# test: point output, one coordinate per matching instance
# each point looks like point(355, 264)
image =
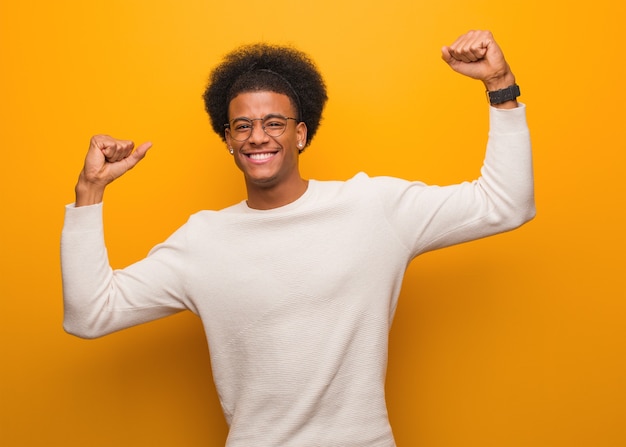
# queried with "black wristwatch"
point(503, 95)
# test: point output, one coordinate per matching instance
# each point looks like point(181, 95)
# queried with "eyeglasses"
point(273, 125)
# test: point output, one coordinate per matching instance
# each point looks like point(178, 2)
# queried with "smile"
point(260, 156)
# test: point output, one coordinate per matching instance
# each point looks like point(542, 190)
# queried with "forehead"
point(259, 104)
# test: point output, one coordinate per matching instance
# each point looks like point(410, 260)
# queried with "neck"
point(262, 197)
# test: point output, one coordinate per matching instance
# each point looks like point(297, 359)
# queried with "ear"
point(301, 135)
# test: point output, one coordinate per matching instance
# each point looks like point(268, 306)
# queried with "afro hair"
point(265, 67)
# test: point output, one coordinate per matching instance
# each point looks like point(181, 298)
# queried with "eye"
point(274, 124)
point(241, 126)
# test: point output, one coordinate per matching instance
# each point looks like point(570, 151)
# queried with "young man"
point(296, 286)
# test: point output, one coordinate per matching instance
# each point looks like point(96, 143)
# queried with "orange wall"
point(516, 340)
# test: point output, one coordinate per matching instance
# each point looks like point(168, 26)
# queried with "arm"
point(97, 299)
point(502, 198)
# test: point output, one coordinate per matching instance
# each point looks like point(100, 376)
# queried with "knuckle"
point(99, 140)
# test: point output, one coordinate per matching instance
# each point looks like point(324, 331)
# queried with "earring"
point(231, 150)
point(300, 144)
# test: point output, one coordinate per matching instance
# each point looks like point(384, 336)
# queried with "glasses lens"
point(240, 129)
point(274, 126)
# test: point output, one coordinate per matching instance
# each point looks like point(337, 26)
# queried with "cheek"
point(237, 161)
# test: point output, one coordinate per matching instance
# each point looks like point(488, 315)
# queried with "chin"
point(262, 182)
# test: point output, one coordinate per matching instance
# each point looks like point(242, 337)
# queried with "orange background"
point(515, 340)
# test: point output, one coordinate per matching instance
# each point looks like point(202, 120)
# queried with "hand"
point(477, 55)
point(107, 159)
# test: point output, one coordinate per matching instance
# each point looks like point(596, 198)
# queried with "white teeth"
point(261, 156)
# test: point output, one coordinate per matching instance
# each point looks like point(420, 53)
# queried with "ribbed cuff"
point(83, 218)
point(504, 121)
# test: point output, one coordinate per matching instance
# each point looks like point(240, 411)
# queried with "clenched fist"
point(477, 55)
point(107, 159)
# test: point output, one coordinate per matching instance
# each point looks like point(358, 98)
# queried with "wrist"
point(87, 193)
point(502, 91)
point(499, 82)
point(504, 98)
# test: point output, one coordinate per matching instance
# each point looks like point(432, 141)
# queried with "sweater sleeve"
point(99, 300)
point(501, 199)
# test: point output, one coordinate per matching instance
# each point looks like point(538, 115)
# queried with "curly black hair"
point(265, 67)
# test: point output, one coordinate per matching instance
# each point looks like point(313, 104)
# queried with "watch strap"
point(503, 95)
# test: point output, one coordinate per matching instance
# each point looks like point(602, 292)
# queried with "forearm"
point(507, 172)
point(85, 270)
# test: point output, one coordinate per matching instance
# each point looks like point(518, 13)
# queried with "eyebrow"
point(269, 115)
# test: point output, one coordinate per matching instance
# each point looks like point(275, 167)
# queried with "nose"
point(257, 134)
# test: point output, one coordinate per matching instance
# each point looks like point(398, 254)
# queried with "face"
point(266, 161)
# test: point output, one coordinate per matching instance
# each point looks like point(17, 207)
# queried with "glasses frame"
point(252, 120)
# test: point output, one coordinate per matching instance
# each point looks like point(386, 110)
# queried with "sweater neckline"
point(305, 197)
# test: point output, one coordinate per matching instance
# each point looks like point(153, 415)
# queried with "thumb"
point(138, 154)
point(142, 149)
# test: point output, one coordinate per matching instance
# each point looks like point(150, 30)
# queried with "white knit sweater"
point(297, 302)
